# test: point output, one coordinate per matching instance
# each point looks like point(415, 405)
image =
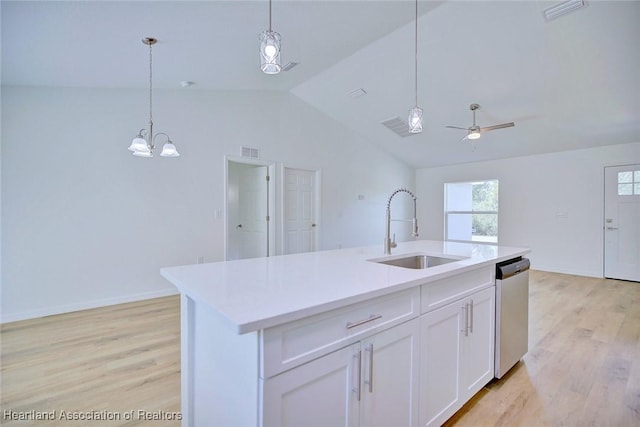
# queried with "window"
point(471, 212)
point(628, 183)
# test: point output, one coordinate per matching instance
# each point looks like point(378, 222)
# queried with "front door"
point(622, 222)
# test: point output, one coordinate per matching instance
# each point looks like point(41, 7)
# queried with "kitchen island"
point(336, 338)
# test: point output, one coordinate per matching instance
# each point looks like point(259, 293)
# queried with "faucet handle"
point(393, 242)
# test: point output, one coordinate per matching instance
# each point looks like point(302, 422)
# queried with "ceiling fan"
point(474, 131)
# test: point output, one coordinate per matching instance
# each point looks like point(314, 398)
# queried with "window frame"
point(447, 213)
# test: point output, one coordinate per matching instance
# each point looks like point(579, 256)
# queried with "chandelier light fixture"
point(144, 143)
point(270, 50)
point(415, 114)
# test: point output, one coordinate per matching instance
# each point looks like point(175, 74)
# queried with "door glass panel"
point(626, 176)
point(625, 189)
point(636, 176)
point(636, 189)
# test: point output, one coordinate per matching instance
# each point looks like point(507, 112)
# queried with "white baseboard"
point(555, 269)
point(50, 311)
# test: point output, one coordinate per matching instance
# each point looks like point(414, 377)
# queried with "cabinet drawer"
point(298, 342)
point(442, 292)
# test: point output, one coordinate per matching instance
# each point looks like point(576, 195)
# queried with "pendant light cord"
point(150, 93)
point(269, 15)
point(416, 54)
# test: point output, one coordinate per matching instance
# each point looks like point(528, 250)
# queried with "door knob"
point(239, 226)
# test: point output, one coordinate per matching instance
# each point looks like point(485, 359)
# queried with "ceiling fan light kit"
point(475, 131)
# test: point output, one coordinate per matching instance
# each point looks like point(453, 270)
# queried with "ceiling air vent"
point(398, 126)
point(563, 8)
point(357, 93)
point(289, 65)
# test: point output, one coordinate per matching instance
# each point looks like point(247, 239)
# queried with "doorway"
point(301, 210)
point(249, 202)
point(622, 222)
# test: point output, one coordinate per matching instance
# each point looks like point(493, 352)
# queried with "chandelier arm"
point(161, 133)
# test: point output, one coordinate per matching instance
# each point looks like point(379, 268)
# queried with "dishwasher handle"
point(509, 269)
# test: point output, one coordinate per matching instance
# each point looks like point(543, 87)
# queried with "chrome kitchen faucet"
point(388, 244)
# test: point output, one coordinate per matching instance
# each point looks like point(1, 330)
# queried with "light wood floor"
point(583, 364)
point(118, 359)
point(583, 367)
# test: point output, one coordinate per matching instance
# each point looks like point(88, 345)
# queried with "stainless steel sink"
point(417, 261)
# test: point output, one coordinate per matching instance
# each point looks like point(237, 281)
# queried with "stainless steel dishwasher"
point(512, 313)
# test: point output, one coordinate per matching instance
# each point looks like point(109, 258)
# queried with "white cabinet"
point(410, 358)
point(478, 347)
point(390, 392)
point(373, 382)
point(320, 393)
point(457, 347)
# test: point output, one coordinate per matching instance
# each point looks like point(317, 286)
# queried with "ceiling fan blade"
point(502, 126)
point(456, 127)
point(463, 138)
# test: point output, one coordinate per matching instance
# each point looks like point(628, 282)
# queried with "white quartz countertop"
point(258, 293)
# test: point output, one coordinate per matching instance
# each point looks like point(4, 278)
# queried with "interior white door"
point(622, 222)
point(300, 227)
point(252, 226)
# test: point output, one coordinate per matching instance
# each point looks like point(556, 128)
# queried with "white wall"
point(551, 203)
point(86, 224)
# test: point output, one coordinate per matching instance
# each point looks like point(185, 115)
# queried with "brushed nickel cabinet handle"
point(471, 317)
point(371, 318)
point(370, 350)
point(465, 310)
point(358, 386)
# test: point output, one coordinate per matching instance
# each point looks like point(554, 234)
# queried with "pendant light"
point(415, 114)
point(270, 49)
point(144, 143)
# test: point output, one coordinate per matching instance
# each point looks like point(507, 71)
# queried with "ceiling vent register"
point(563, 8)
point(251, 153)
point(398, 126)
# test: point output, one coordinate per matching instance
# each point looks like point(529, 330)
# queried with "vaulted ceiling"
point(568, 83)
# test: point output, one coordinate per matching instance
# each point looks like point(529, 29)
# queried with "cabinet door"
point(440, 363)
point(321, 393)
point(390, 377)
point(478, 346)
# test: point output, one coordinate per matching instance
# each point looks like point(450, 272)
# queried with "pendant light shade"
point(143, 153)
point(270, 49)
point(270, 52)
point(169, 150)
point(415, 120)
point(415, 114)
point(143, 143)
point(138, 144)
